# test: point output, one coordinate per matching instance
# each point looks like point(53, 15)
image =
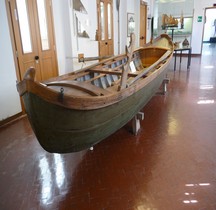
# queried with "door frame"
point(13, 42)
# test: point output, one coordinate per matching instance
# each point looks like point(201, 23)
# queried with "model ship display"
point(170, 21)
point(75, 111)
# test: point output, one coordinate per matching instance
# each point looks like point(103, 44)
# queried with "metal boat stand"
point(136, 122)
point(164, 85)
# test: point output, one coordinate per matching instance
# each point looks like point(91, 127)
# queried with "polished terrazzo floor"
point(169, 165)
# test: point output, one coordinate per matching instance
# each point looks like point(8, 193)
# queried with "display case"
point(179, 33)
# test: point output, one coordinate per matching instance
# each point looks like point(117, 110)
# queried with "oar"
point(81, 58)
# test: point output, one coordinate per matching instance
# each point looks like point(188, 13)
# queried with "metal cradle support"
point(164, 85)
point(136, 122)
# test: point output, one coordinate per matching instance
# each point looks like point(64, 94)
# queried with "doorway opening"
point(209, 32)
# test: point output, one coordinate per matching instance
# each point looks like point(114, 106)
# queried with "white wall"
point(175, 8)
point(67, 42)
point(87, 46)
point(198, 27)
point(9, 98)
point(63, 36)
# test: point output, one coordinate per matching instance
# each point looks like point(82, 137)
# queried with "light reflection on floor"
point(191, 196)
point(46, 181)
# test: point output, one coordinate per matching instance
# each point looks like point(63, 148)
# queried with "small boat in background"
point(75, 111)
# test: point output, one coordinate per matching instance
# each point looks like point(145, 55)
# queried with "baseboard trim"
point(186, 55)
point(11, 119)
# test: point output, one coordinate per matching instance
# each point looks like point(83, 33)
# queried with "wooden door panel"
point(110, 48)
point(46, 54)
point(27, 65)
point(25, 56)
point(106, 48)
point(103, 49)
point(47, 64)
point(143, 18)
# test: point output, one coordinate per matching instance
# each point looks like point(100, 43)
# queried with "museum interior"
point(108, 105)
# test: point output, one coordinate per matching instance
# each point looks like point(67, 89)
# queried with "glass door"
point(105, 27)
point(33, 35)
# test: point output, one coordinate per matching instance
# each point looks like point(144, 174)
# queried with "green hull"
point(62, 130)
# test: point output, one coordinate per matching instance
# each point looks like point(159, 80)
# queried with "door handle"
point(142, 37)
point(106, 43)
point(36, 57)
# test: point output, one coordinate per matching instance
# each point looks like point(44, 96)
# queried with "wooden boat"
point(75, 111)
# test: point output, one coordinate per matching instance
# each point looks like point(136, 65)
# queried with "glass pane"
point(24, 26)
point(41, 7)
point(102, 21)
point(109, 21)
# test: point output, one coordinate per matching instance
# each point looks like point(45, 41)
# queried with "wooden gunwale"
point(87, 102)
point(96, 99)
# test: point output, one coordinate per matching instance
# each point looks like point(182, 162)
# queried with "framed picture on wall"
point(130, 23)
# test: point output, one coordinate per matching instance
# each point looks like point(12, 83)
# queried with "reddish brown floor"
point(169, 165)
